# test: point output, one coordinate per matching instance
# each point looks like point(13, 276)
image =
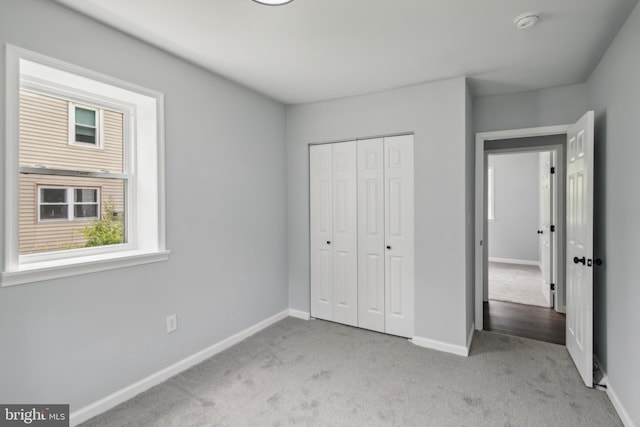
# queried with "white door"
point(345, 234)
point(321, 229)
point(371, 247)
point(544, 231)
point(580, 246)
point(399, 236)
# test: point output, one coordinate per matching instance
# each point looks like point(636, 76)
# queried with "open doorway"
point(522, 198)
point(519, 194)
point(574, 230)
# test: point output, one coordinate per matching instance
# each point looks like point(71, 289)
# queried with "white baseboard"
point(144, 384)
point(459, 350)
point(622, 413)
point(514, 261)
point(613, 397)
point(298, 314)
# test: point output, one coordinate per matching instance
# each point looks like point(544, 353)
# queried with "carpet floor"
point(516, 283)
point(318, 373)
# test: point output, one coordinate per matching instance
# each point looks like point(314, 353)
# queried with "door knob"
point(577, 260)
point(540, 231)
point(388, 247)
point(598, 261)
point(328, 242)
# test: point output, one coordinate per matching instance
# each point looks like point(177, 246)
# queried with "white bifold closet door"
point(334, 238)
point(399, 267)
point(386, 235)
point(371, 251)
point(362, 233)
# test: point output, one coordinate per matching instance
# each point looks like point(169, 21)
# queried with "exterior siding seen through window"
point(55, 208)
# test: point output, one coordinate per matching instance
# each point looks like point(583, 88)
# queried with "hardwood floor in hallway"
point(528, 321)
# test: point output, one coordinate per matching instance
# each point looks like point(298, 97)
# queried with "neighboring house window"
point(68, 209)
point(85, 203)
point(85, 125)
point(491, 215)
point(68, 204)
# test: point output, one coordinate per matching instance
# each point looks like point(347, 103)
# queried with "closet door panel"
point(371, 299)
point(399, 239)
point(321, 226)
point(345, 237)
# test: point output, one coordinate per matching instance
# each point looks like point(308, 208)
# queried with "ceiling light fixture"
point(273, 2)
point(527, 20)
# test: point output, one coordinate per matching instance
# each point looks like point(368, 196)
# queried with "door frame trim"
point(480, 211)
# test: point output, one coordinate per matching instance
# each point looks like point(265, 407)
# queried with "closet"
point(362, 235)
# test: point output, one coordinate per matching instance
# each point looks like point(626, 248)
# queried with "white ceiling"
point(312, 50)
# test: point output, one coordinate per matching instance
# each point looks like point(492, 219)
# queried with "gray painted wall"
point(470, 203)
point(513, 233)
point(79, 339)
point(614, 95)
point(546, 107)
point(436, 114)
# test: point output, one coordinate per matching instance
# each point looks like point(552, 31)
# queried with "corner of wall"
point(469, 208)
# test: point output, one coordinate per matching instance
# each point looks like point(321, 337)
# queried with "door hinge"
point(553, 170)
point(553, 286)
point(553, 228)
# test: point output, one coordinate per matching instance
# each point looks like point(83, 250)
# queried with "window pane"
point(42, 142)
point(85, 134)
point(53, 212)
point(53, 195)
point(85, 117)
point(88, 202)
point(86, 211)
point(86, 195)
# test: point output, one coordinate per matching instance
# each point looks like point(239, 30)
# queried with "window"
point(55, 187)
point(490, 195)
point(68, 204)
point(85, 126)
point(85, 203)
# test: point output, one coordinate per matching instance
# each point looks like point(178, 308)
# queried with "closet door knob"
point(388, 247)
point(540, 231)
point(328, 242)
point(577, 260)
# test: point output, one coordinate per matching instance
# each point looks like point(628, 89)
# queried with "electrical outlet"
point(172, 323)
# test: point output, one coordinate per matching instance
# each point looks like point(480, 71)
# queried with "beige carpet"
point(317, 373)
point(517, 283)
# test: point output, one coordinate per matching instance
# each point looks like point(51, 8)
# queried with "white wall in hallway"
point(512, 235)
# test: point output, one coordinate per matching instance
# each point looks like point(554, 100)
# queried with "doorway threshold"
point(526, 321)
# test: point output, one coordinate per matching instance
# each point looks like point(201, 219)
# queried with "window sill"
point(47, 270)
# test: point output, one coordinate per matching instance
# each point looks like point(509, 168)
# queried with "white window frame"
point(99, 129)
point(143, 111)
point(491, 194)
point(71, 203)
